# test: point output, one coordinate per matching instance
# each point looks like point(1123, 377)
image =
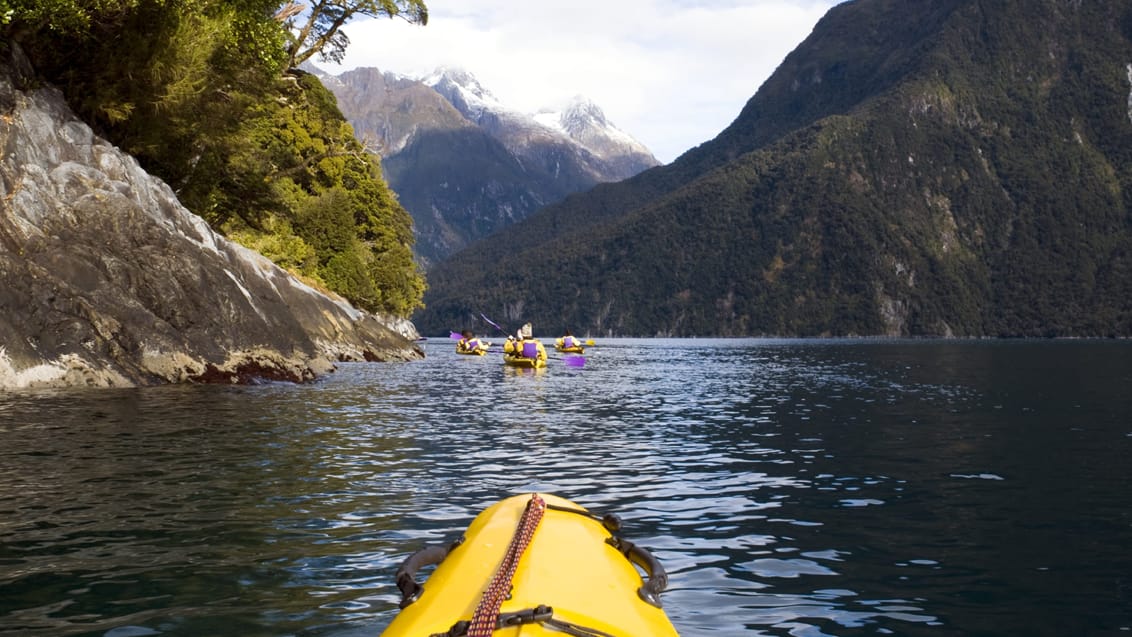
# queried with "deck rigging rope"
point(487, 611)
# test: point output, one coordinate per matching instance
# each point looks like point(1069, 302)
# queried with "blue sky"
point(671, 73)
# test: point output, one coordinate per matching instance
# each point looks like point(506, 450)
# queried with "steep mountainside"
point(387, 111)
point(466, 166)
point(962, 168)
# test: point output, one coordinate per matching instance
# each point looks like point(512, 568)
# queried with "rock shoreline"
point(106, 280)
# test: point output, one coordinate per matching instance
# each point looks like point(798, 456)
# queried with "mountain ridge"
point(904, 172)
point(465, 165)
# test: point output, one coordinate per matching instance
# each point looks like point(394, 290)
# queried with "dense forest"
point(206, 94)
point(954, 168)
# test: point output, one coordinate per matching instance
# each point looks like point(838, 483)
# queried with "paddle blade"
point(493, 324)
point(575, 361)
point(590, 342)
point(456, 336)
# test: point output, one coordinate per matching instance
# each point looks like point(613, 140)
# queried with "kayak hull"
point(577, 349)
point(568, 566)
point(523, 362)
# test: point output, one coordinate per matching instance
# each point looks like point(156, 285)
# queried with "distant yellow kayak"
point(474, 347)
point(522, 361)
point(570, 345)
point(564, 571)
point(528, 353)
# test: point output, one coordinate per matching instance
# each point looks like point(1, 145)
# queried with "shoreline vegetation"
point(205, 95)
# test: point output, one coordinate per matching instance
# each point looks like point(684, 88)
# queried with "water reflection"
point(790, 488)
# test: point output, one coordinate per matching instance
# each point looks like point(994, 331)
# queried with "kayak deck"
point(568, 572)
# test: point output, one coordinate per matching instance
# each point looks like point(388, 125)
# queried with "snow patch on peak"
point(575, 121)
point(573, 117)
point(582, 116)
point(453, 75)
point(463, 90)
point(583, 109)
point(550, 119)
point(584, 121)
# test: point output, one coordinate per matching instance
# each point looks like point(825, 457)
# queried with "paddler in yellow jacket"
point(524, 345)
point(469, 344)
point(567, 343)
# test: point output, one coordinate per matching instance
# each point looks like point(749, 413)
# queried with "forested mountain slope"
point(954, 168)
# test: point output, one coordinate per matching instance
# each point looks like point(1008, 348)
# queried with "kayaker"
point(568, 342)
point(525, 345)
point(469, 343)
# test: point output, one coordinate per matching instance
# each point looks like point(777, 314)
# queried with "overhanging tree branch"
point(321, 33)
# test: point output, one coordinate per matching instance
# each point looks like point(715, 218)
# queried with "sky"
point(671, 73)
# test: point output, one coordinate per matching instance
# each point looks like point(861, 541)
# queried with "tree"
point(59, 16)
point(195, 89)
point(322, 32)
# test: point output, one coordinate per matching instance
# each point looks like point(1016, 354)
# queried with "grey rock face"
point(106, 280)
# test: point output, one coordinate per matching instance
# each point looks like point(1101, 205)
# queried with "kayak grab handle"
point(658, 579)
point(611, 521)
point(407, 572)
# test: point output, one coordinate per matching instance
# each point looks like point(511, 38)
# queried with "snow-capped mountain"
point(387, 110)
point(583, 121)
point(613, 155)
point(464, 92)
point(464, 164)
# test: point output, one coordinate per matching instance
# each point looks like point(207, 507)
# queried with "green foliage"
point(321, 30)
point(325, 222)
point(336, 201)
point(196, 90)
point(64, 17)
point(277, 241)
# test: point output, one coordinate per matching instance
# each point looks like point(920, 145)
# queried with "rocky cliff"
point(106, 280)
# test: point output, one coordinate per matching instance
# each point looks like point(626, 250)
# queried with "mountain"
point(577, 132)
point(388, 111)
point(464, 165)
point(583, 121)
point(955, 168)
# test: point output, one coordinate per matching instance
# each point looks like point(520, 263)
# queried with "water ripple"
point(790, 488)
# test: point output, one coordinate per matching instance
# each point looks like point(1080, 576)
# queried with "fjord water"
point(797, 488)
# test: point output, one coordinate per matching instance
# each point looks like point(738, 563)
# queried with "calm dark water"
point(799, 488)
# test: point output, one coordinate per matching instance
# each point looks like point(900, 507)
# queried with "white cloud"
point(673, 74)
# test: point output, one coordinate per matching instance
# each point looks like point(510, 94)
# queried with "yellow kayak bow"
point(564, 570)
